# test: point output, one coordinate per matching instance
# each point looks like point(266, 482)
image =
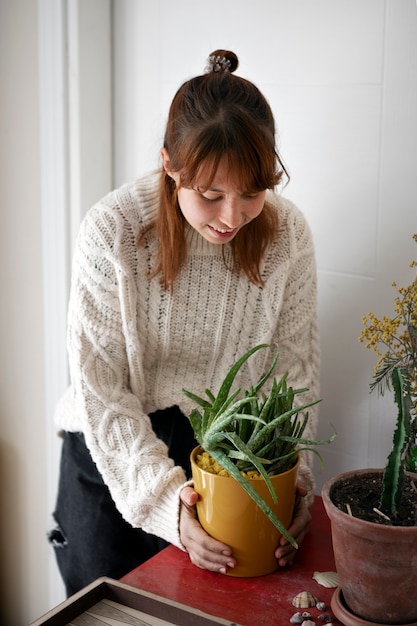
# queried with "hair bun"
point(222, 61)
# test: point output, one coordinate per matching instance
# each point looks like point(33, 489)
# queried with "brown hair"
point(211, 117)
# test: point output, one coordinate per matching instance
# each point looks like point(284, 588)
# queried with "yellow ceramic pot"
point(228, 513)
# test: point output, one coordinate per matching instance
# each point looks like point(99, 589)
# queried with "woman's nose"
point(231, 213)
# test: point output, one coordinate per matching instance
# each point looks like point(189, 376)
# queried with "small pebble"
point(321, 606)
point(297, 618)
point(326, 617)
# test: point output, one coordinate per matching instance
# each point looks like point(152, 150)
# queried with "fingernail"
point(230, 564)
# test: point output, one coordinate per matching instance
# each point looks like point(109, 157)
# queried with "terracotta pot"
point(228, 514)
point(376, 564)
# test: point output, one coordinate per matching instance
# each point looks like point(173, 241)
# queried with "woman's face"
point(219, 212)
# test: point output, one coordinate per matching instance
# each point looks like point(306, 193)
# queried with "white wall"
point(341, 77)
point(23, 453)
point(55, 159)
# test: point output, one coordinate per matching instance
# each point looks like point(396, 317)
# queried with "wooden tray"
point(108, 602)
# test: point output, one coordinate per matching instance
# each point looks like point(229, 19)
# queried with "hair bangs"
point(251, 160)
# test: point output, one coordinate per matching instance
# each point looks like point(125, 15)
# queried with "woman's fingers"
point(204, 551)
point(300, 525)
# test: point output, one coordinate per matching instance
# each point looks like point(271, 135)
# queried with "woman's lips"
point(222, 233)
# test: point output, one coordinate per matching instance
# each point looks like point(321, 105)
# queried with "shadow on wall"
point(11, 528)
point(346, 371)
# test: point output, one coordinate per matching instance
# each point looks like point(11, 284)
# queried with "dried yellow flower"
point(394, 339)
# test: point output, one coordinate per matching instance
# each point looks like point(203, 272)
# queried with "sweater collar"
point(198, 245)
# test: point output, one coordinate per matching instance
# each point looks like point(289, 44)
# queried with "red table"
point(265, 600)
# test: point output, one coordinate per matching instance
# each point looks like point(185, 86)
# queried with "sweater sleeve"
point(134, 463)
point(296, 333)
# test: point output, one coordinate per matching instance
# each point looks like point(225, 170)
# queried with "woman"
point(176, 275)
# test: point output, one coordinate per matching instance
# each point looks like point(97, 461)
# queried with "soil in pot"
point(363, 498)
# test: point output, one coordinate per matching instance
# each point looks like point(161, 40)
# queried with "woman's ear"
point(166, 162)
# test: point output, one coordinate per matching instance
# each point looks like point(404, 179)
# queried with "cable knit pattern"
point(133, 346)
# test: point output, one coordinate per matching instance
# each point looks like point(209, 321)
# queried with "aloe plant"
point(393, 476)
point(253, 430)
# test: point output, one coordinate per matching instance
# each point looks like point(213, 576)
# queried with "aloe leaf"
point(231, 468)
point(217, 414)
point(231, 375)
point(241, 456)
point(245, 428)
point(218, 438)
point(200, 401)
point(268, 403)
point(266, 430)
point(265, 378)
point(300, 426)
point(256, 461)
point(245, 417)
point(283, 463)
point(195, 420)
point(210, 416)
point(310, 442)
point(317, 453)
point(222, 420)
point(210, 395)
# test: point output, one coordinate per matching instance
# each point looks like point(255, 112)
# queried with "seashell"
point(325, 617)
point(321, 606)
point(297, 618)
point(307, 615)
point(326, 579)
point(307, 622)
point(304, 600)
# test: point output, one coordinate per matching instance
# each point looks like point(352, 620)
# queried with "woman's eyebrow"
point(202, 189)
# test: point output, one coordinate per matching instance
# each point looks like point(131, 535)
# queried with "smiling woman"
point(173, 275)
point(219, 210)
point(220, 135)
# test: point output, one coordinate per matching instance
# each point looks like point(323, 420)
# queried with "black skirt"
point(91, 539)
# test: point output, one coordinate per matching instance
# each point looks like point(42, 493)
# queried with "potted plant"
point(245, 468)
point(374, 512)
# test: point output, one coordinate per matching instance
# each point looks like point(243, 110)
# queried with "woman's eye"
point(210, 199)
point(201, 195)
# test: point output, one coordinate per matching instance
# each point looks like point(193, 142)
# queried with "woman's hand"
point(208, 553)
point(300, 524)
point(204, 551)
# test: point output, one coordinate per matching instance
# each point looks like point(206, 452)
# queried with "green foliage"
point(394, 470)
point(253, 430)
point(394, 341)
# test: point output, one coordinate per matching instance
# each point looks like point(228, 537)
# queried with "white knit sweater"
point(133, 346)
